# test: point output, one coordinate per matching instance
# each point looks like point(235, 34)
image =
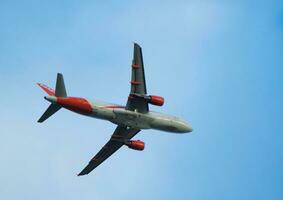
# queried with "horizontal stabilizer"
point(47, 89)
point(53, 108)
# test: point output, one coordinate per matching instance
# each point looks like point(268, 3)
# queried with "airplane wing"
point(138, 84)
point(116, 141)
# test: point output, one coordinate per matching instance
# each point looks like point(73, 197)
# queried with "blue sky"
point(217, 63)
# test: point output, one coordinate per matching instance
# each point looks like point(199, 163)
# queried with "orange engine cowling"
point(156, 100)
point(135, 144)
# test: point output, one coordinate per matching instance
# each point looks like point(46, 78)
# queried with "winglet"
point(136, 44)
point(83, 172)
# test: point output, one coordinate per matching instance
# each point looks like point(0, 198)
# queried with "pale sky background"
point(218, 64)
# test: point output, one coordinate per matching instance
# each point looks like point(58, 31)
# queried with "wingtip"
point(80, 174)
point(40, 84)
point(136, 44)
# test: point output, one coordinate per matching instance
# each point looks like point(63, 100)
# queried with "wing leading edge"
point(116, 142)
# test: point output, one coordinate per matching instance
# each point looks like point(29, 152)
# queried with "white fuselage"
point(150, 120)
point(119, 115)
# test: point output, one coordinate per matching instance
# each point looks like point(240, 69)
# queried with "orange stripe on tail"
point(47, 89)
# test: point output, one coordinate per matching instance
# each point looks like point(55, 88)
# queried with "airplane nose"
point(189, 128)
point(186, 128)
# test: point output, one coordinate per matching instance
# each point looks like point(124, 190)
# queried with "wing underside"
point(136, 102)
point(138, 83)
point(117, 140)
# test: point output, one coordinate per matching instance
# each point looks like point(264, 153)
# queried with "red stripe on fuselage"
point(76, 104)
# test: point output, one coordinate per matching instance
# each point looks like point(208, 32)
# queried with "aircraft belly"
point(163, 124)
point(138, 120)
point(169, 124)
point(131, 119)
point(103, 113)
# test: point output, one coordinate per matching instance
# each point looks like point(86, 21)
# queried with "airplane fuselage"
point(119, 115)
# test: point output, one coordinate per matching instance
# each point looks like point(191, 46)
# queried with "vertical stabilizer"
point(60, 90)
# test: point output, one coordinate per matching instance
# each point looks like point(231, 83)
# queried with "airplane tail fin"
point(60, 91)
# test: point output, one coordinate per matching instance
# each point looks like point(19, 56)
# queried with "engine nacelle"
point(156, 100)
point(135, 144)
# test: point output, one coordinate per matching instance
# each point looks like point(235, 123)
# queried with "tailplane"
point(53, 108)
point(60, 91)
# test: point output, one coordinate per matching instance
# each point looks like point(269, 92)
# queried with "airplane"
point(130, 119)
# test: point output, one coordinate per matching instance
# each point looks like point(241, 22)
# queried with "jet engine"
point(156, 100)
point(135, 144)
